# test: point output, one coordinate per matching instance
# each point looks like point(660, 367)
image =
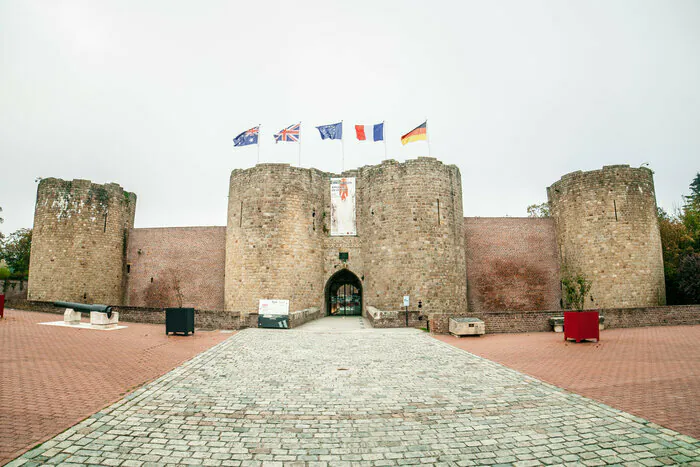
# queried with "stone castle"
point(411, 239)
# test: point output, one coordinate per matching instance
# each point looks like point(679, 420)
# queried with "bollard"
point(2, 305)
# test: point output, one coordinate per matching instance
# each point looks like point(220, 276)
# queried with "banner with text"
point(343, 207)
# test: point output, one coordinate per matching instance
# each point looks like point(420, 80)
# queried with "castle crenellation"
point(405, 234)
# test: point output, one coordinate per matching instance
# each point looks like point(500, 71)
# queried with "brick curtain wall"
point(512, 264)
point(193, 256)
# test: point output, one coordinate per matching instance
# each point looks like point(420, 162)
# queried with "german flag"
point(419, 133)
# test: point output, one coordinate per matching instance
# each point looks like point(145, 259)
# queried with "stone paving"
point(652, 372)
point(357, 397)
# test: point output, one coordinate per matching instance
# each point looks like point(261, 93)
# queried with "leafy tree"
point(538, 210)
point(694, 198)
point(689, 277)
point(680, 240)
point(1, 219)
point(15, 251)
point(576, 290)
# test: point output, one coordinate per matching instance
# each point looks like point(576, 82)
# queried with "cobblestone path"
point(366, 397)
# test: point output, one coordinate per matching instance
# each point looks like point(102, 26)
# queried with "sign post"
point(406, 302)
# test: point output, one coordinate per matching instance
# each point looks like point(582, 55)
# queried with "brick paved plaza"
point(342, 397)
point(53, 377)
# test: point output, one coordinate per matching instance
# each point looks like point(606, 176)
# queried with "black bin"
point(179, 320)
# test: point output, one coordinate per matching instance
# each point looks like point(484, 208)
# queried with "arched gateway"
point(343, 294)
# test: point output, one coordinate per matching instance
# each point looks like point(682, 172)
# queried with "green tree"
point(538, 210)
point(680, 240)
point(689, 277)
point(15, 251)
point(576, 290)
point(694, 198)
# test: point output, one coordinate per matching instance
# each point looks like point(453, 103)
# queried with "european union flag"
point(332, 131)
point(247, 137)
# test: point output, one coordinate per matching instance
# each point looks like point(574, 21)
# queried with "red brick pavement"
point(651, 372)
point(52, 377)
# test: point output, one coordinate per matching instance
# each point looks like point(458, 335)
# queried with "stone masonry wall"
point(512, 264)
point(411, 223)
point(166, 266)
point(409, 239)
point(607, 229)
point(79, 241)
point(274, 237)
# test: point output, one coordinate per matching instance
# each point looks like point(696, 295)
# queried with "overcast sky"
point(149, 94)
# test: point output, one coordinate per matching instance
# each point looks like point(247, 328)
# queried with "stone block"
point(467, 327)
point(101, 319)
point(70, 316)
point(557, 323)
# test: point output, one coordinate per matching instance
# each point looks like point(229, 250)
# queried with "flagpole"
point(342, 145)
point(259, 127)
point(300, 144)
point(384, 138)
point(427, 135)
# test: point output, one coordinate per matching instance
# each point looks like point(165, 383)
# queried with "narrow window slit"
point(438, 206)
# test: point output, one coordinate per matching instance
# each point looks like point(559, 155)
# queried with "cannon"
point(84, 307)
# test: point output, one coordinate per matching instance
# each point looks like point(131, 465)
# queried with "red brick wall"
point(160, 259)
point(512, 264)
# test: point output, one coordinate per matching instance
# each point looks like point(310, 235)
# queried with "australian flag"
point(332, 131)
point(247, 137)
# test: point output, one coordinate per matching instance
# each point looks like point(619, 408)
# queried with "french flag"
point(370, 132)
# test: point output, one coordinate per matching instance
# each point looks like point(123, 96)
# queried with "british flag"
point(290, 134)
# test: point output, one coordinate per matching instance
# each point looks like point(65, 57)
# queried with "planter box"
point(580, 325)
point(179, 320)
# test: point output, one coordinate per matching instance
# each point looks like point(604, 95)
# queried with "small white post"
point(427, 135)
point(384, 138)
point(259, 139)
point(299, 141)
point(342, 146)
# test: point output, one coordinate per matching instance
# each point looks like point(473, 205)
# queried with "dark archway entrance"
point(344, 294)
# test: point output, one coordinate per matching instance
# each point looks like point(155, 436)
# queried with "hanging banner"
point(343, 207)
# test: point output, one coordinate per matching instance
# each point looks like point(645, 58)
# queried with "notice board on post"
point(273, 314)
point(273, 307)
point(343, 207)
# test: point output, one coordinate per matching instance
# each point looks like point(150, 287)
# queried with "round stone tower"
point(411, 221)
point(607, 229)
point(79, 241)
point(274, 239)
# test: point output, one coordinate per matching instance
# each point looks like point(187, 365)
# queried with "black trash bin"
point(179, 320)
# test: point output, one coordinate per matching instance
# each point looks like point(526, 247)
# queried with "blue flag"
point(247, 137)
point(332, 131)
point(379, 132)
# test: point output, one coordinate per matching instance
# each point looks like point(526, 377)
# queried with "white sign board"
point(406, 300)
point(343, 207)
point(273, 307)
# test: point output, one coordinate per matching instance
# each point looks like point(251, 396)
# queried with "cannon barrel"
point(84, 307)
